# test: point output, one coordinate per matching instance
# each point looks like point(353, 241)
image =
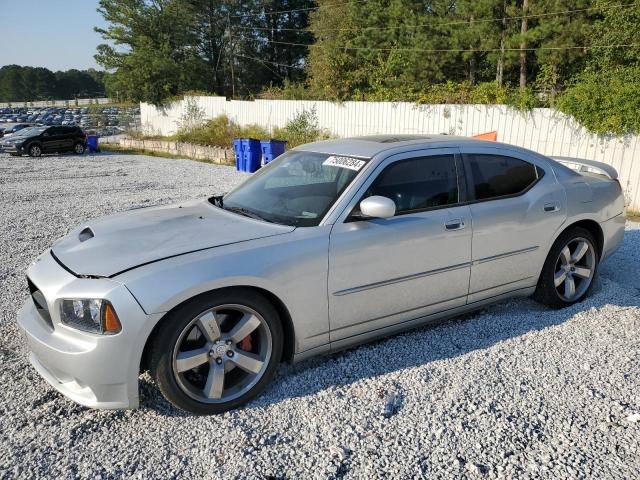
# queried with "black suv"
point(38, 140)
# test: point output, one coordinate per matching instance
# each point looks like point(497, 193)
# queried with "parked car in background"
point(332, 244)
point(35, 141)
point(9, 130)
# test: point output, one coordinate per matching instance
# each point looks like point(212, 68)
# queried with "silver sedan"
point(333, 244)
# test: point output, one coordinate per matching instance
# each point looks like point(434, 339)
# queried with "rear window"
point(496, 176)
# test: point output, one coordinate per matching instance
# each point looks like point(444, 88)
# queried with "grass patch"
point(114, 148)
point(221, 131)
point(633, 216)
point(218, 132)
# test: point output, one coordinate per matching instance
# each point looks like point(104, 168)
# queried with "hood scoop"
point(85, 234)
point(114, 244)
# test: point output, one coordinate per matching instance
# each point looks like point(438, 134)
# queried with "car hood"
point(110, 245)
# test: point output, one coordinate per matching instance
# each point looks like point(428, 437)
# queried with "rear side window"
point(499, 176)
point(418, 183)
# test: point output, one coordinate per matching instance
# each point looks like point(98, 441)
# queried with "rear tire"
point(35, 150)
point(78, 148)
point(199, 362)
point(569, 270)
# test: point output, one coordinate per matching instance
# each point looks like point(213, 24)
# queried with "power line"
point(269, 62)
point(442, 24)
point(460, 50)
point(307, 9)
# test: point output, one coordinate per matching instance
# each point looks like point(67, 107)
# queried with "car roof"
point(371, 145)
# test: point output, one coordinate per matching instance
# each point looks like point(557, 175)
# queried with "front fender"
point(293, 267)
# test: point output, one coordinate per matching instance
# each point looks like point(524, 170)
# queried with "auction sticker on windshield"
point(344, 162)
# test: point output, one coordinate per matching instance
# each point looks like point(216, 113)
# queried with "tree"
point(605, 97)
point(219, 46)
point(151, 49)
point(19, 84)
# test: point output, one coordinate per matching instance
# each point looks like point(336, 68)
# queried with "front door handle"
point(551, 207)
point(454, 224)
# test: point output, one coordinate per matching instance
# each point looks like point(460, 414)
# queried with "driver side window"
point(418, 183)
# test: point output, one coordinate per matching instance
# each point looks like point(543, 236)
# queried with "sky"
point(56, 34)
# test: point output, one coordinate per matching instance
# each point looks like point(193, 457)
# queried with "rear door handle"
point(551, 207)
point(454, 224)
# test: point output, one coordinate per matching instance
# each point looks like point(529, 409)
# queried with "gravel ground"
point(515, 390)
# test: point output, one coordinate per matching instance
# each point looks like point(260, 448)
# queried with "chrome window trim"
point(379, 163)
point(502, 152)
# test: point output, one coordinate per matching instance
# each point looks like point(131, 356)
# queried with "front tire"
point(569, 270)
point(217, 351)
point(35, 151)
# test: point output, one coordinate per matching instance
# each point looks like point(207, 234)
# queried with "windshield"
point(30, 131)
point(297, 189)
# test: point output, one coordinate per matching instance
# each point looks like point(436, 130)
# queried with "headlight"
point(90, 315)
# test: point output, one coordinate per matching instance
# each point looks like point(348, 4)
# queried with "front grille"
point(40, 303)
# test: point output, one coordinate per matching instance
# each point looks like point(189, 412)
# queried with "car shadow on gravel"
point(436, 341)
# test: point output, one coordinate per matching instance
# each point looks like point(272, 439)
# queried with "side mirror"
point(378, 207)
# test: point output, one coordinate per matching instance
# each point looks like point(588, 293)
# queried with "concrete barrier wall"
point(544, 130)
point(221, 156)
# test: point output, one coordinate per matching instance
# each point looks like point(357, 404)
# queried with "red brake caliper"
point(245, 344)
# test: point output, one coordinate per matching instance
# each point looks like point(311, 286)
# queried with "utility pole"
point(232, 57)
point(523, 44)
point(503, 32)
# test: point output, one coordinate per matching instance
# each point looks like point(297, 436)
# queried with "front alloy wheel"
point(217, 351)
point(35, 151)
point(222, 353)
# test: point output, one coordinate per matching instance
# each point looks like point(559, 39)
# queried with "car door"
point(384, 272)
point(66, 138)
point(51, 139)
point(516, 206)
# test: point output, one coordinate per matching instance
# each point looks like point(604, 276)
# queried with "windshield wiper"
point(247, 213)
point(217, 200)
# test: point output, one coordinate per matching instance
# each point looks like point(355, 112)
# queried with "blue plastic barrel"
point(92, 143)
point(237, 149)
point(251, 154)
point(272, 149)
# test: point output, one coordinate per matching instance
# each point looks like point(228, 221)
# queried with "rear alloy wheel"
point(221, 353)
point(568, 273)
point(78, 149)
point(574, 269)
point(35, 151)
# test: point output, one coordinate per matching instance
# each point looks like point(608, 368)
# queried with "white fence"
point(543, 130)
point(58, 103)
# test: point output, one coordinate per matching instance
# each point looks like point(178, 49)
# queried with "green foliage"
point(605, 98)
point(301, 129)
point(605, 102)
point(465, 51)
point(220, 132)
point(163, 48)
point(24, 84)
point(193, 116)
point(288, 91)
point(486, 93)
point(483, 93)
point(374, 49)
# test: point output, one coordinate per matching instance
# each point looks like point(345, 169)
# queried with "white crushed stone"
point(514, 391)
